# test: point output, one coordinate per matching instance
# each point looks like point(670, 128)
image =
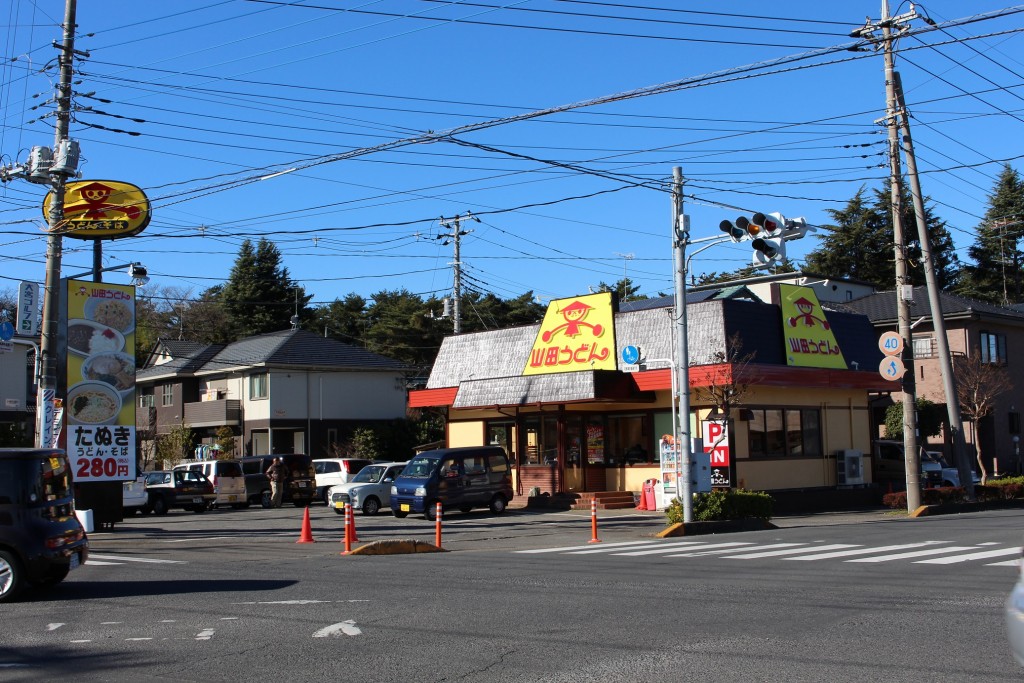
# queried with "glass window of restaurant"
point(499, 433)
point(785, 432)
point(629, 440)
point(540, 440)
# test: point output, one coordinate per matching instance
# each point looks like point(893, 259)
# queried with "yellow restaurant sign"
point(577, 334)
point(808, 335)
point(102, 209)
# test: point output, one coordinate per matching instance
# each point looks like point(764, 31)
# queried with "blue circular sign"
point(630, 355)
point(6, 331)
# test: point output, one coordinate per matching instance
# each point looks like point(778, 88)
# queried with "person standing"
point(276, 473)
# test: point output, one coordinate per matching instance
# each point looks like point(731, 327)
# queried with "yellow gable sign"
point(577, 334)
point(808, 336)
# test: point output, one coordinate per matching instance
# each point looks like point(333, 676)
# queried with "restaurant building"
point(575, 417)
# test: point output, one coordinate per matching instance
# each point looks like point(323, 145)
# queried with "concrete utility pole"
point(680, 238)
point(54, 242)
point(956, 426)
point(456, 232)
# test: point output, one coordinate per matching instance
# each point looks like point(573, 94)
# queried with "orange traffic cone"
point(307, 532)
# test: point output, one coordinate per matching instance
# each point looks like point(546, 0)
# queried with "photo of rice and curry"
point(100, 359)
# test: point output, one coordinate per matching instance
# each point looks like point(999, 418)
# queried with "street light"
point(136, 271)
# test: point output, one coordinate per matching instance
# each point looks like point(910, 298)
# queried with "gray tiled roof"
point(187, 357)
point(510, 391)
point(299, 349)
point(881, 307)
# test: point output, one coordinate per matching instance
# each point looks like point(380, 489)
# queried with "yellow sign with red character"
point(577, 333)
point(102, 209)
point(809, 339)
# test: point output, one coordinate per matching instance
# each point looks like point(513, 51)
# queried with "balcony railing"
point(213, 413)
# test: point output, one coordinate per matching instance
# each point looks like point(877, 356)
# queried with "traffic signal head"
point(736, 231)
point(769, 244)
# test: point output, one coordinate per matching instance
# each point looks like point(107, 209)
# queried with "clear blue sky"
point(241, 89)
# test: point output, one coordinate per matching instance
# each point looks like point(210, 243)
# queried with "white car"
point(369, 490)
point(134, 496)
point(1015, 617)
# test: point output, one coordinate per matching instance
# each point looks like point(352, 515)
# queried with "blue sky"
point(229, 92)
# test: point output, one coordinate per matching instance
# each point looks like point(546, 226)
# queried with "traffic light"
point(768, 243)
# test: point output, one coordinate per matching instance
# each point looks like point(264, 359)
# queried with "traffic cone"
point(643, 498)
point(307, 532)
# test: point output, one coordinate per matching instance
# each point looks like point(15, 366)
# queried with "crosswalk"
point(922, 552)
point(96, 559)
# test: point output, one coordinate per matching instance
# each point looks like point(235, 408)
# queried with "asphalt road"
point(230, 595)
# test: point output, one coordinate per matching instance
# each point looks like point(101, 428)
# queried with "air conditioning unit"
point(850, 467)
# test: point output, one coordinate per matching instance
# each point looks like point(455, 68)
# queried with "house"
point(576, 416)
point(17, 387)
point(284, 392)
point(974, 328)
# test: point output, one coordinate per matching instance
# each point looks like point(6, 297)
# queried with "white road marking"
point(110, 623)
point(792, 551)
point(79, 641)
point(1007, 563)
point(347, 628)
point(292, 602)
point(675, 547)
point(168, 621)
point(580, 547)
point(138, 639)
point(699, 552)
point(205, 634)
point(593, 549)
point(228, 618)
point(916, 553)
point(983, 555)
point(125, 558)
point(861, 551)
point(98, 563)
point(53, 627)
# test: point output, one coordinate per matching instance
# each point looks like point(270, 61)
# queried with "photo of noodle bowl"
point(111, 312)
point(93, 403)
point(115, 369)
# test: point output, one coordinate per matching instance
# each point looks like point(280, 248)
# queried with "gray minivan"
point(458, 478)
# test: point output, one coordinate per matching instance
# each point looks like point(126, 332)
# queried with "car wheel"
point(265, 499)
point(430, 511)
point(159, 506)
point(51, 579)
point(498, 504)
point(371, 506)
point(12, 578)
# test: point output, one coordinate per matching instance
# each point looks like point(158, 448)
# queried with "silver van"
point(227, 479)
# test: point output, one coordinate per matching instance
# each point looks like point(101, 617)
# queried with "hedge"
point(724, 504)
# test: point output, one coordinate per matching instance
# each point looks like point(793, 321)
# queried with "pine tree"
point(856, 247)
point(996, 254)
point(260, 296)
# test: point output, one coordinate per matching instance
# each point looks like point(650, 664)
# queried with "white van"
point(227, 478)
point(335, 472)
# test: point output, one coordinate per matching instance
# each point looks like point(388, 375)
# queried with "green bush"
point(724, 504)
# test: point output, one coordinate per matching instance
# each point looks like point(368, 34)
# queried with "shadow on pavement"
point(92, 590)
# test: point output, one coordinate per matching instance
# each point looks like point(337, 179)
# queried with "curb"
point(396, 547)
point(957, 508)
point(722, 527)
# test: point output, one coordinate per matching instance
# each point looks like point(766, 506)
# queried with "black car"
point(188, 489)
point(41, 540)
point(299, 483)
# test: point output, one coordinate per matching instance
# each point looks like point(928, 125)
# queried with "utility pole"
point(956, 426)
point(680, 238)
point(455, 224)
point(904, 290)
point(47, 390)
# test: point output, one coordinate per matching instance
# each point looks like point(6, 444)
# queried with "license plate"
point(405, 507)
point(197, 500)
point(339, 504)
point(232, 499)
point(303, 484)
point(76, 560)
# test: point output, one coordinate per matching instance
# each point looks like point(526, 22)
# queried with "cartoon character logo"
point(574, 314)
point(806, 309)
point(95, 203)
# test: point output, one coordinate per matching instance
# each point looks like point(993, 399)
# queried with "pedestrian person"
point(276, 473)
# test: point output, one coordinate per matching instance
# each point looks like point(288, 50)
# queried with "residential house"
point(284, 392)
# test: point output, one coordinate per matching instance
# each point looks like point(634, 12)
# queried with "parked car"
point(41, 540)
point(134, 496)
point(332, 472)
point(227, 479)
point(1015, 616)
point(889, 466)
point(300, 482)
point(458, 478)
point(369, 491)
point(187, 489)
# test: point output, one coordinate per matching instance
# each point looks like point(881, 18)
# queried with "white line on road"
point(98, 563)
point(983, 555)
point(676, 547)
point(915, 553)
point(205, 634)
point(861, 551)
point(778, 553)
point(580, 547)
point(125, 558)
point(699, 553)
point(53, 627)
point(347, 628)
point(138, 639)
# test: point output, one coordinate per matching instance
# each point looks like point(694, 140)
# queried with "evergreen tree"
point(342, 319)
point(996, 253)
point(857, 246)
point(399, 326)
point(945, 260)
point(260, 296)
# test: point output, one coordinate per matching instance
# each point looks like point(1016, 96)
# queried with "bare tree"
point(978, 386)
point(728, 379)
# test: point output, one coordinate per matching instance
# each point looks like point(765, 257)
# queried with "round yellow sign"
point(102, 209)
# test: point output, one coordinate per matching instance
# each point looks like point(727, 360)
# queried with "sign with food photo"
point(100, 405)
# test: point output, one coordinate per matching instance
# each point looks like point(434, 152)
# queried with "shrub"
point(724, 504)
point(1008, 488)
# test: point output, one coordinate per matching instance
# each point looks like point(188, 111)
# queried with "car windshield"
point(934, 458)
point(370, 474)
point(420, 467)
